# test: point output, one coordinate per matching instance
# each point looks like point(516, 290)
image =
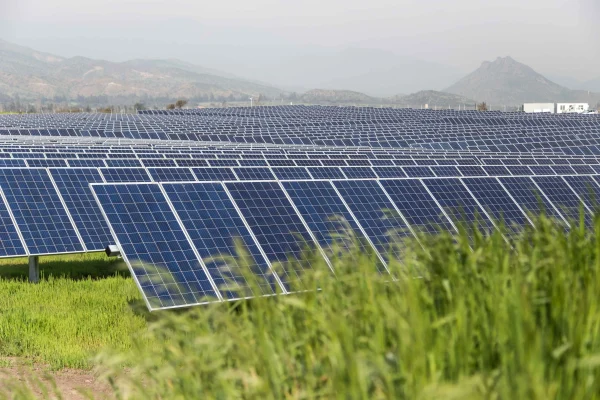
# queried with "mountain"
point(31, 75)
point(378, 73)
point(508, 82)
point(433, 99)
point(594, 85)
point(326, 96)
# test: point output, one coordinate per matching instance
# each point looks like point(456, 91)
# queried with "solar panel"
point(417, 205)
point(214, 174)
point(586, 188)
point(115, 175)
point(376, 214)
point(10, 242)
point(171, 174)
point(458, 202)
point(497, 202)
point(155, 246)
point(529, 197)
point(328, 218)
point(254, 174)
point(223, 242)
point(325, 173)
point(38, 211)
point(73, 186)
point(291, 173)
point(277, 227)
point(561, 195)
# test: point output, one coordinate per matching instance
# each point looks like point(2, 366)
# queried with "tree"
point(139, 106)
point(180, 103)
point(482, 106)
point(171, 107)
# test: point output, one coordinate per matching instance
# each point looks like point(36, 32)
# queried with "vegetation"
point(471, 316)
point(71, 314)
point(482, 106)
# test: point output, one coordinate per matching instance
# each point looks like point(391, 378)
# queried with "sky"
point(556, 37)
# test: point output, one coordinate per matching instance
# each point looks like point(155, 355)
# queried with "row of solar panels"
point(51, 211)
point(182, 240)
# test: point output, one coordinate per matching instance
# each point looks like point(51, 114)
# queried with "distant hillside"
point(506, 81)
point(326, 96)
point(432, 98)
point(32, 75)
point(594, 85)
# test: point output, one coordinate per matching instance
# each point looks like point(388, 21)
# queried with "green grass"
point(464, 318)
point(82, 304)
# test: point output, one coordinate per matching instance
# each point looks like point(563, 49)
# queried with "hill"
point(326, 96)
point(432, 98)
point(506, 81)
point(31, 75)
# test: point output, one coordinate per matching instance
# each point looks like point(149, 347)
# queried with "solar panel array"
point(182, 191)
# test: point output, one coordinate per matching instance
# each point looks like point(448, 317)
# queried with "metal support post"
point(34, 269)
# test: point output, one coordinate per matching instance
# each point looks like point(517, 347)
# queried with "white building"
point(563, 108)
point(538, 108)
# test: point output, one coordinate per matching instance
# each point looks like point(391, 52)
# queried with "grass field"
point(465, 318)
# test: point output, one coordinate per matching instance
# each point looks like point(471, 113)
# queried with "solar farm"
point(175, 192)
point(301, 252)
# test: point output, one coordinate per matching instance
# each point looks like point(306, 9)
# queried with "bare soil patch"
point(43, 382)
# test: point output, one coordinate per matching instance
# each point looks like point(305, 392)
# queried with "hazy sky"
point(555, 37)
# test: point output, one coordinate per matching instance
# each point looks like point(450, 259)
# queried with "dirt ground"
point(71, 384)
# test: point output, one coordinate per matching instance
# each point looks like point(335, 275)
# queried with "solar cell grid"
point(376, 214)
point(222, 239)
point(254, 174)
point(278, 229)
point(155, 246)
point(328, 218)
point(497, 202)
point(417, 205)
point(561, 195)
point(529, 197)
point(38, 211)
point(73, 186)
point(458, 203)
point(171, 174)
point(113, 175)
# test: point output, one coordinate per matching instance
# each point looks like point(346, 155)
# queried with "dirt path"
point(70, 383)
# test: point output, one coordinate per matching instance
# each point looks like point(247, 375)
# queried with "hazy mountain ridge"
point(433, 98)
point(30, 75)
point(508, 82)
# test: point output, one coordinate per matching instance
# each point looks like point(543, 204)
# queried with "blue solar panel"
point(276, 226)
point(529, 197)
point(389, 172)
point(218, 232)
point(115, 175)
point(458, 203)
point(254, 174)
point(376, 214)
point(38, 211)
point(326, 173)
point(587, 189)
point(290, 173)
point(73, 185)
point(359, 172)
point(10, 243)
point(492, 196)
point(416, 204)
point(418, 172)
point(327, 217)
point(171, 174)
point(446, 170)
point(214, 174)
point(559, 193)
point(155, 246)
